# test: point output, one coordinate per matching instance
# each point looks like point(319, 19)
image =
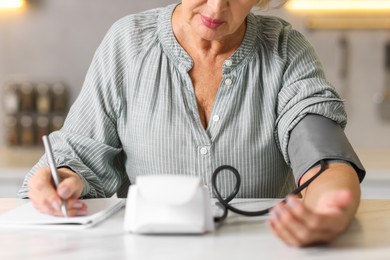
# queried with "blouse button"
point(228, 82)
point(228, 63)
point(204, 151)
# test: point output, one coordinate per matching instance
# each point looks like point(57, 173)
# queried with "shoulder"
point(139, 21)
point(278, 36)
point(135, 29)
point(269, 23)
point(274, 28)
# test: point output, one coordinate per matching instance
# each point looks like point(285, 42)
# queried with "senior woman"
point(195, 85)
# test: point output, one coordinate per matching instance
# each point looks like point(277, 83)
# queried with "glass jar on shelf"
point(12, 130)
point(27, 97)
point(59, 98)
point(11, 98)
point(27, 130)
point(43, 98)
point(43, 128)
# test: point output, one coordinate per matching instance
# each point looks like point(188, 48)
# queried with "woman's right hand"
point(47, 199)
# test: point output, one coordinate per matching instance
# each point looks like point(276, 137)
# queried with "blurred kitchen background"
point(46, 47)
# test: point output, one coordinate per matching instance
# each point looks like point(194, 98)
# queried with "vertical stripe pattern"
point(137, 112)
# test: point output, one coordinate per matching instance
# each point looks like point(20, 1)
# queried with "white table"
point(239, 238)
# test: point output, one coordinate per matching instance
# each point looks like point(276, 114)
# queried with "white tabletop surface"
point(238, 238)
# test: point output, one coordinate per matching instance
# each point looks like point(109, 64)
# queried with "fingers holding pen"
point(47, 199)
point(70, 190)
point(43, 194)
point(71, 185)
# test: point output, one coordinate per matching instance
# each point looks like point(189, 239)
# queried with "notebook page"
point(26, 215)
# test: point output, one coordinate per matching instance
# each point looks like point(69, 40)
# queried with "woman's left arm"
point(328, 206)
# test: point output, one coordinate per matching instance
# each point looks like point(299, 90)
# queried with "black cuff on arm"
point(316, 138)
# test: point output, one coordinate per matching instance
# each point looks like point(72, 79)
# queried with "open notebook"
point(26, 216)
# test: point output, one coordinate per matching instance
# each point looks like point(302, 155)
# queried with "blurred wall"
point(55, 40)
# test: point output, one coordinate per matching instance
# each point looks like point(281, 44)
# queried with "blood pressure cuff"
point(317, 138)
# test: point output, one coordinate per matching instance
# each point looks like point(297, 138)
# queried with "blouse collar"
point(181, 57)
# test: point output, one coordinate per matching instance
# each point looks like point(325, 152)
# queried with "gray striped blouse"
point(137, 112)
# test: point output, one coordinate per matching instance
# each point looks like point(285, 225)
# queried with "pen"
point(53, 169)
